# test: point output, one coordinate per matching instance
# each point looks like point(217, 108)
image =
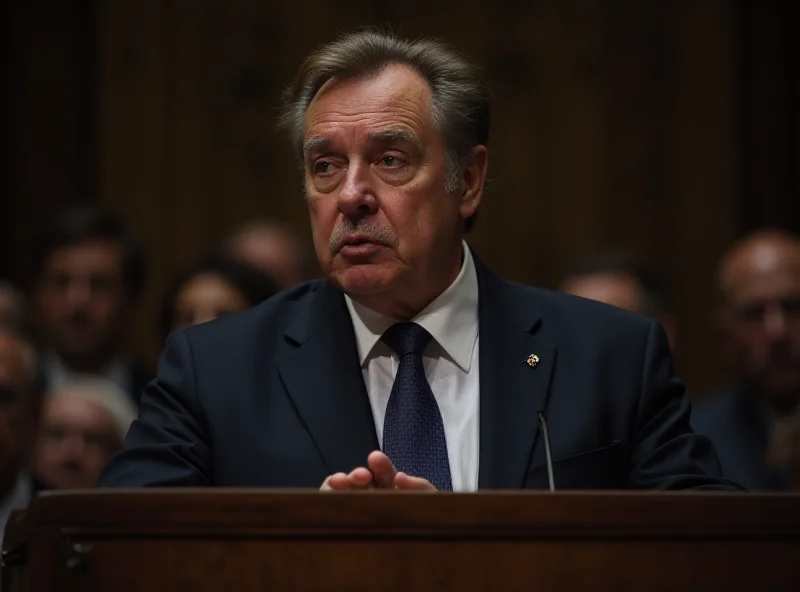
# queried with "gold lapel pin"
point(532, 360)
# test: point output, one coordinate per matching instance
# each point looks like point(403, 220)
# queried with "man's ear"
point(473, 179)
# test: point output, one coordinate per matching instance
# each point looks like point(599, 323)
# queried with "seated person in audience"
point(411, 366)
point(272, 248)
point(13, 308)
point(759, 323)
point(83, 424)
point(215, 286)
point(784, 451)
point(20, 399)
point(623, 281)
point(90, 277)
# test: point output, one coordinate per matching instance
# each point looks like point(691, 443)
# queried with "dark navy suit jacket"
point(275, 396)
point(738, 428)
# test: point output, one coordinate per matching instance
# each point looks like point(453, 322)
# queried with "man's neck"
point(95, 363)
point(778, 405)
point(409, 302)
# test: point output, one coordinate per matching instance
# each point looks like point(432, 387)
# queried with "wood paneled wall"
point(617, 123)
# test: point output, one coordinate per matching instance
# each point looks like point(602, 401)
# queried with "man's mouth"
point(358, 245)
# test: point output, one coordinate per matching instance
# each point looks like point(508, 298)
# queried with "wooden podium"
point(248, 539)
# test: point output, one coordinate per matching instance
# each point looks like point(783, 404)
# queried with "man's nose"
point(775, 323)
point(356, 197)
point(73, 447)
point(78, 292)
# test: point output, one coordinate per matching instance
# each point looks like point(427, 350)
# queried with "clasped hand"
point(378, 474)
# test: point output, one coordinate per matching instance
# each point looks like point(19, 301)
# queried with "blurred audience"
point(784, 450)
point(13, 307)
point(90, 277)
point(759, 323)
point(215, 286)
point(272, 248)
point(623, 281)
point(83, 424)
point(20, 398)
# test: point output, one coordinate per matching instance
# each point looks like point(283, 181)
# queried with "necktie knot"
point(407, 338)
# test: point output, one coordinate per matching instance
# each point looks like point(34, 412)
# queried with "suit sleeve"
point(666, 453)
point(169, 443)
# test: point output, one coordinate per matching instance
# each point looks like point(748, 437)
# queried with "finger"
point(409, 483)
point(360, 478)
point(335, 481)
point(382, 469)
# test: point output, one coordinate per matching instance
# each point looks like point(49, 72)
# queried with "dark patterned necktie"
point(413, 432)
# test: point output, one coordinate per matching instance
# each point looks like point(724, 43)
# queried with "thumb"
point(382, 469)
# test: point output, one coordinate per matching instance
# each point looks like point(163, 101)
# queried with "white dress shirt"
point(450, 361)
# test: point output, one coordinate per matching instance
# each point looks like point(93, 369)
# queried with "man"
point(20, 397)
point(759, 322)
point(83, 424)
point(12, 307)
point(621, 280)
point(91, 274)
point(271, 248)
point(411, 366)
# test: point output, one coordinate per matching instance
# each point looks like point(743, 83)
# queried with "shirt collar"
point(452, 318)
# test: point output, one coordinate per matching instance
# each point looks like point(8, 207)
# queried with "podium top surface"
point(260, 511)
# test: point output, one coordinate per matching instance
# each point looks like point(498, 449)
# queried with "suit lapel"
point(512, 392)
point(324, 381)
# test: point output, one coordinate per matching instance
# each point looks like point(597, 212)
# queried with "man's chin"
point(363, 280)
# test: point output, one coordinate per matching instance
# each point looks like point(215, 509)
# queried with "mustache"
point(374, 232)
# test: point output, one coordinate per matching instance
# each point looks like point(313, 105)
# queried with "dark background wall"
point(667, 128)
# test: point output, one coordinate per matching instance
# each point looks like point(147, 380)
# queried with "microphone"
point(547, 456)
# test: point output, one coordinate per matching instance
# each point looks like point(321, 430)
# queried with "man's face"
point(617, 289)
point(204, 298)
point(17, 412)
point(76, 439)
point(382, 221)
point(762, 320)
point(272, 253)
point(82, 298)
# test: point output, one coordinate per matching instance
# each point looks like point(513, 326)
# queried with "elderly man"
point(20, 397)
point(759, 322)
point(621, 280)
point(83, 424)
point(411, 366)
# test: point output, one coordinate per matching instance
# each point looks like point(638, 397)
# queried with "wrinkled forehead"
point(761, 275)
point(764, 287)
point(96, 255)
point(396, 102)
point(72, 407)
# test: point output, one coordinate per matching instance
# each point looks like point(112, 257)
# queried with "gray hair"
point(105, 393)
point(460, 98)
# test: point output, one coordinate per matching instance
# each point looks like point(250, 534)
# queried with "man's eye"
point(752, 313)
point(791, 307)
point(322, 167)
point(390, 161)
